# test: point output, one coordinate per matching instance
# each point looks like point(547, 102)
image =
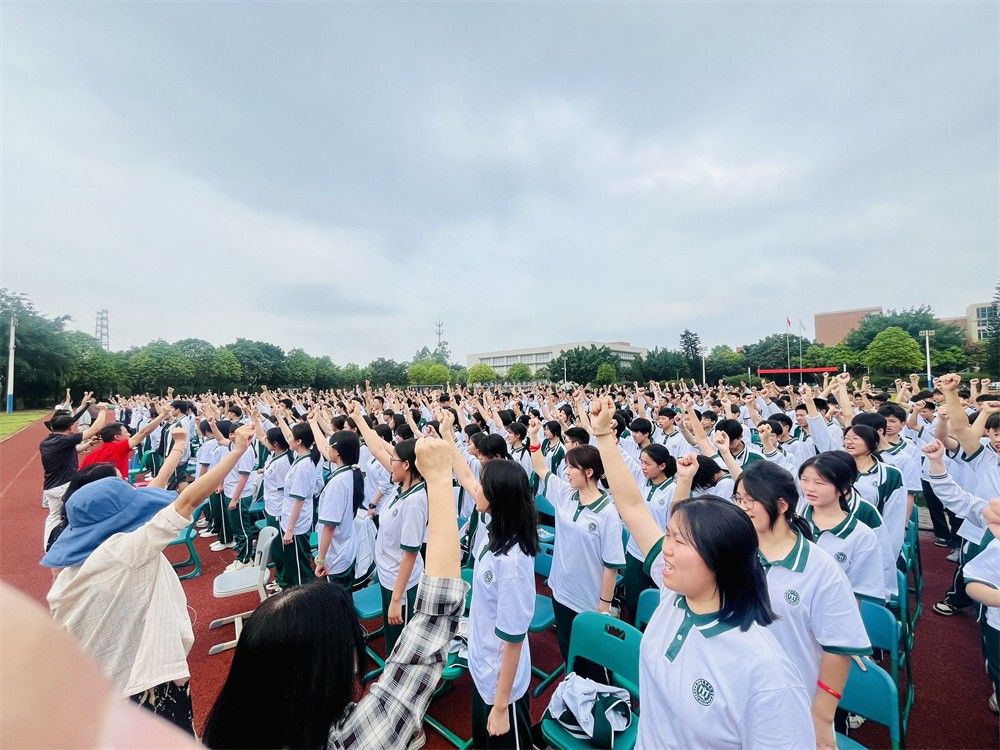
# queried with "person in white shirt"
point(818, 623)
point(588, 544)
point(341, 498)
point(117, 594)
point(711, 673)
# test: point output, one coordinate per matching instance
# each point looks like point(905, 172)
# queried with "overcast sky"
point(336, 177)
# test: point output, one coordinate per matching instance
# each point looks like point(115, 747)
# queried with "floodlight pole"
point(10, 365)
point(927, 353)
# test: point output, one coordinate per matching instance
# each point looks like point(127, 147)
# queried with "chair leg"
point(449, 735)
point(547, 678)
point(193, 559)
point(237, 622)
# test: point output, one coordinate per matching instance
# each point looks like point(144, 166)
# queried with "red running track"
point(952, 689)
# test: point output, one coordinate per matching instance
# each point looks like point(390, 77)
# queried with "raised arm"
point(98, 424)
point(192, 495)
point(380, 449)
point(138, 437)
point(434, 460)
point(964, 432)
point(624, 491)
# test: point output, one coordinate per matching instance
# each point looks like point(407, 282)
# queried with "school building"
point(833, 327)
point(541, 356)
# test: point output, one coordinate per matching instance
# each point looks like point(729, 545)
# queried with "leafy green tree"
point(92, 368)
point(43, 356)
point(300, 369)
point(226, 372)
point(722, 361)
point(384, 371)
point(952, 359)
point(691, 349)
point(581, 363)
point(913, 321)
point(328, 375)
point(519, 372)
point(991, 344)
point(261, 363)
point(352, 374)
point(458, 374)
point(201, 355)
point(438, 373)
point(606, 374)
point(893, 352)
point(158, 365)
point(818, 355)
point(658, 364)
point(771, 351)
point(481, 373)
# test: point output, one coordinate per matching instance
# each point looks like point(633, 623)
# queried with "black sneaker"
point(939, 542)
point(945, 610)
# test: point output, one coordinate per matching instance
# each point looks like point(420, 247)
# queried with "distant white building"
point(540, 356)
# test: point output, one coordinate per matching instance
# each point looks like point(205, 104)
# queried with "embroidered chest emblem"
point(488, 576)
point(840, 557)
point(592, 527)
point(703, 692)
point(792, 597)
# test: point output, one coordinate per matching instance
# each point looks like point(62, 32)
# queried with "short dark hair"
point(727, 543)
point(732, 428)
point(876, 421)
point(313, 675)
point(892, 410)
point(578, 434)
point(109, 432)
point(61, 422)
point(493, 446)
point(641, 424)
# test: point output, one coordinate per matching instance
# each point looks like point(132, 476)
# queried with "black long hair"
point(303, 433)
point(585, 457)
point(726, 541)
point(767, 483)
point(406, 450)
point(310, 676)
point(513, 518)
point(660, 455)
point(838, 468)
point(348, 445)
point(704, 477)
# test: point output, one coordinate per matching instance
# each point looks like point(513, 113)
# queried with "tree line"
point(50, 358)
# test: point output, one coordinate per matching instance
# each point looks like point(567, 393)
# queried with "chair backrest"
point(467, 575)
point(903, 597)
point(262, 557)
point(609, 643)
point(543, 560)
point(649, 600)
point(873, 694)
point(881, 625)
point(544, 505)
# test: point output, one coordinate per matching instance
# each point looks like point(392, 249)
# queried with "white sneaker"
point(217, 546)
point(207, 534)
point(237, 565)
point(274, 587)
point(854, 721)
point(202, 523)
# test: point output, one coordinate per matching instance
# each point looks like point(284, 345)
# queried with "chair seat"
point(234, 582)
point(257, 507)
point(544, 618)
point(261, 523)
point(846, 743)
point(368, 602)
point(558, 737)
point(546, 534)
point(454, 668)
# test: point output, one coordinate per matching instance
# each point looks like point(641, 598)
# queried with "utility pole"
point(439, 330)
point(927, 353)
point(10, 365)
point(102, 331)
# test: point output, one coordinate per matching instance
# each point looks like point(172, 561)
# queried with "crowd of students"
point(762, 516)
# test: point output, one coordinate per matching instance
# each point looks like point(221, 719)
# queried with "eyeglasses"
point(394, 459)
point(742, 500)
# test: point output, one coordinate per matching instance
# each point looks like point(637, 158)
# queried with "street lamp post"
point(10, 365)
point(702, 353)
point(927, 353)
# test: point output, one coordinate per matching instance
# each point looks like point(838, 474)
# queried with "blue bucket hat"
point(98, 510)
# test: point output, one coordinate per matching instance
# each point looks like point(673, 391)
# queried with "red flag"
point(788, 321)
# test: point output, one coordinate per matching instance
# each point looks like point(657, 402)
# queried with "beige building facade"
point(540, 356)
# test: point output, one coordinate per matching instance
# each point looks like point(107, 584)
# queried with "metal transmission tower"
point(439, 330)
point(102, 331)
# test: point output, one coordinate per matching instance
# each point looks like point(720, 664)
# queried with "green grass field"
point(11, 423)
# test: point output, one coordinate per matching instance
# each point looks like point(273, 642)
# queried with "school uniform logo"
point(703, 692)
point(592, 527)
point(488, 576)
point(792, 597)
point(840, 557)
point(395, 512)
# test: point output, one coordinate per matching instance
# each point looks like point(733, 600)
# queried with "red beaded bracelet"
point(827, 689)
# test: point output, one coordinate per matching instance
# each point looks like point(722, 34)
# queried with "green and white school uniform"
point(300, 485)
point(503, 603)
point(676, 443)
point(275, 471)
point(708, 684)
point(239, 516)
point(402, 527)
point(555, 454)
point(816, 608)
point(336, 509)
point(985, 568)
point(659, 498)
point(882, 486)
point(856, 549)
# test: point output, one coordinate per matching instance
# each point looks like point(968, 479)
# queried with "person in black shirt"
point(59, 452)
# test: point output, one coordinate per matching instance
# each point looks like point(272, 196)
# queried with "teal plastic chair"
point(899, 605)
point(186, 538)
point(885, 633)
point(914, 564)
point(649, 600)
point(871, 694)
point(454, 668)
point(614, 645)
point(368, 606)
point(543, 566)
point(544, 505)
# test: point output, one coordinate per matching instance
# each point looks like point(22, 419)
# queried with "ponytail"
point(359, 488)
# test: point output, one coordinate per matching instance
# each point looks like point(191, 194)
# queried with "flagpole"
point(788, 351)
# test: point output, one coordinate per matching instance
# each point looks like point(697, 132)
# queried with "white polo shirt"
point(855, 548)
point(300, 485)
point(204, 455)
point(402, 525)
point(275, 471)
point(659, 498)
point(244, 468)
point(676, 443)
point(706, 684)
point(816, 609)
point(985, 568)
point(588, 540)
point(503, 603)
point(336, 509)
point(882, 486)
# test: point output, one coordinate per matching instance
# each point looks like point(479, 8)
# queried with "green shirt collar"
point(708, 624)
point(795, 560)
point(842, 529)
